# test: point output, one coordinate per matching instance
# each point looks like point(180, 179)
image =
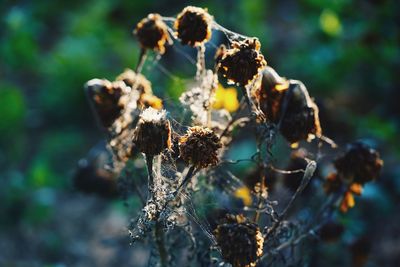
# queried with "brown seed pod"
point(153, 132)
point(270, 94)
point(107, 99)
point(359, 164)
point(240, 240)
point(241, 64)
point(136, 81)
point(152, 33)
point(199, 147)
point(193, 26)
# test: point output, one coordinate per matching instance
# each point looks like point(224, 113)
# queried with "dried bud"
point(359, 164)
point(193, 26)
point(240, 240)
point(271, 93)
point(152, 33)
point(153, 132)
point(107, 98)
point(242, 62)
point(136, 81)
point(199, 147)
point(300, 118)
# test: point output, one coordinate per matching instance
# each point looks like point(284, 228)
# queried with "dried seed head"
point(242, 63)
point(153, 132)
point(136, 81)
point(193, 26)
point(359, 164)
point(199, 147)
point(300, 120)
point(152, 33)
point(240, 240)
point(107, 98)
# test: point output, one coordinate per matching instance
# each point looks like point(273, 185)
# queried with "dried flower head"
point(152, 33)
point(300, 119)
point(359, 164)
point(193, 26)
point(107, 98)
point(199, 147)
point(153, 132)
point(242, 63)
point(240, 240)
point(136, 81)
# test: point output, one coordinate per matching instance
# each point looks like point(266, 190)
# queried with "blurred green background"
point(346, 52)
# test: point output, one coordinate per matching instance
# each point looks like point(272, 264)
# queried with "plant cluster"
point(186, 158)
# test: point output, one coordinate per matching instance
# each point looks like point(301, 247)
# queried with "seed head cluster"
point(152, 33)
point(199, 147)
point(193, 26)
point(107, 99)
point(241, 64)
point(240, 240)
point(153, 132)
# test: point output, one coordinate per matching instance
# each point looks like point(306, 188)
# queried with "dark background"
point(346, 52)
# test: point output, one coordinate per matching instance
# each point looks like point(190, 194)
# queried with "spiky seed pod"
point(107, 99)
point(300, 119)
point(193, 26)
point(199, 147)
point(359, 164)
point(240, 240)
point(153, 132)
point(241, 64)
point(152, 33)
point(136, 81)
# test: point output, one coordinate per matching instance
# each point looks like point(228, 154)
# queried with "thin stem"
point(189, 175)
point(149, 164)
point(160, 241)
point(142, 59)
point(310, 169)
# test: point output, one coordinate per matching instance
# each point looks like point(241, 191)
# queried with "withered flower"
point(270, 94)
point(240, 240)
point(193, 26)
point(152, 33)
point(359, 164)
point(199, 147)
point(241, 64)
point(300, 119)
point(136, 81)
point(153, 132)
point(107, 99)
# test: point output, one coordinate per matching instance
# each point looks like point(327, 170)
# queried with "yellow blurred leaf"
point(330, 23)
point(244, 194)
point(226, 98)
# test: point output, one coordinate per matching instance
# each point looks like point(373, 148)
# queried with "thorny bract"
point(185, 157)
